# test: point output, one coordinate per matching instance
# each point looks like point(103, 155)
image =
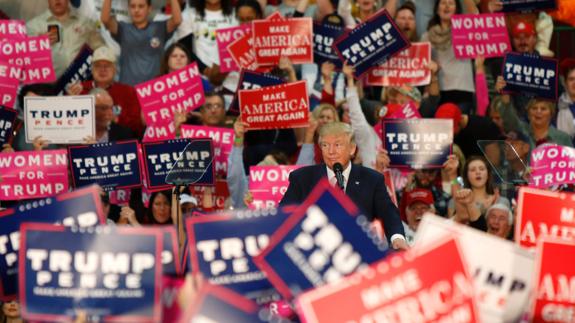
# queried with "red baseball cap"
point(449, 111)
point(418, 195)
point(523, 27)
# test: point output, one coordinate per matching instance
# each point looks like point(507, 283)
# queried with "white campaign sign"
point(502, 270)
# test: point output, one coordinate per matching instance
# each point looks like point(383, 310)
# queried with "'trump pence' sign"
point(401, 289)
point(111, 273)
point(532, 75)
point(7, 119)
point(60, 119)
point(543, 213)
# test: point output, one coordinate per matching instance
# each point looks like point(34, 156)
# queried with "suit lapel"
point(353, 182)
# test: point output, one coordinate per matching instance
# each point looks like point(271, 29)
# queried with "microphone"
point(338, 170)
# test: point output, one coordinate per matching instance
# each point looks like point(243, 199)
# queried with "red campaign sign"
point(222, 139)
point(544, 213)
point(218, 197)
point(181, 91)
point(553, 300)
point(479, 35)
point(288, 37)
point(13, 29)
point(268, 185)
point(34, 54)
point(275, 107)
point(33, 174)
point(389, 185)
point(401, 288)
point(407, 111)
point(409, 67)
point(9, 81)
point(224, 37)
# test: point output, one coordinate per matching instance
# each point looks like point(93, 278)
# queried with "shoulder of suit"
point(308, 169)
point(369, 172)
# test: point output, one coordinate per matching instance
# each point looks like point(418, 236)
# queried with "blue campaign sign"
point(7, 118)
point(322, 241)
point(219, 304)
point(194, 157)
point(324, 36)
point(528, 5)
point(221, 247)
point(418, 143)
point(250, 80)
point(110, 165)
point(531, 74)
point(80, 70)
point(371, 43)
point(111, 273)
point(78, 208)
point(170, 260)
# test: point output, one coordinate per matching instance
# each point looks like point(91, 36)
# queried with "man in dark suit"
point(106, 129)
point(364, 186)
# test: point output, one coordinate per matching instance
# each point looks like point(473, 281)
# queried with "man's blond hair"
point(337, 128)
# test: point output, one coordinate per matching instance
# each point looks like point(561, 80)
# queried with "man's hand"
point(74, 89)
point(399, 244)
point(382, 160)
point(450, 168)
point(494, 6)
point(39, 143)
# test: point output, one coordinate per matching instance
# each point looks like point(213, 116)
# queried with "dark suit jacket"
point(365, 187)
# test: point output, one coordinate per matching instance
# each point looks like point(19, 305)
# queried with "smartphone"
point(54, 30)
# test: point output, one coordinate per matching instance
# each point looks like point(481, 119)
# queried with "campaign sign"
point(170, 260)
point(502, 271)
point(243, 53)
point(180, 91)
point(268, 184)
point(9, 81)
point(219, 196)
point(112, 273)
point(390, 186)
point(31, 53)
point(410, 67)
point(292, 38)
point(111, 165)
point(532, 75)
point(528, 5)
point(407, 111)
point(222, 139)
point(12, 29)
point(33, 174)
point(78, 208)
point(219, 304)
point(7, 119)
point(160, 131)
point(479, 35)
point(224, 37)
point(322, 241)
point(418, 143)
point(80, 70)
point(544, 213)
point(172, 290)
point(222, 246)
point(60, 119)
point(403, 288)
point(370, 43)
point(553, 298)
point(194, 166)
point(275, 107)
point(250, 80)
point(324, 35)
point(552, 165)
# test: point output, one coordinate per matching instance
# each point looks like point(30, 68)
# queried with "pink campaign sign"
point(159, 131)
point(33, 54)
point(12, 29)
point(268, 184)
point(226, 36)
point(33, 174)
point(552, 165)
point(9, 80)
point(479, 35)
point(222, 138)
point(180, 91)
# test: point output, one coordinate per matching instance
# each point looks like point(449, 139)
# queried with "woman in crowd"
point(11, 312)
point(159, 211)
point(248, 11)
point(470, 203)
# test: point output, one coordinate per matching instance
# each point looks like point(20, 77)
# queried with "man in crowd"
point(68, 32)
point(499, 220)
point(405, 20)
point(364, 186)
point(418, 202)
point(106, 129)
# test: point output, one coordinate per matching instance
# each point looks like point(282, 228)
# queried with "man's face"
point(498, 223)
point(336, 148)
point(524, 43)
point(415, 212)
point(213, 112)
point(405, 20)
point(425, 177)
point(139, 10)
point(58, 7)
point(103, 71)
point(521, 149)
point(104, 111)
